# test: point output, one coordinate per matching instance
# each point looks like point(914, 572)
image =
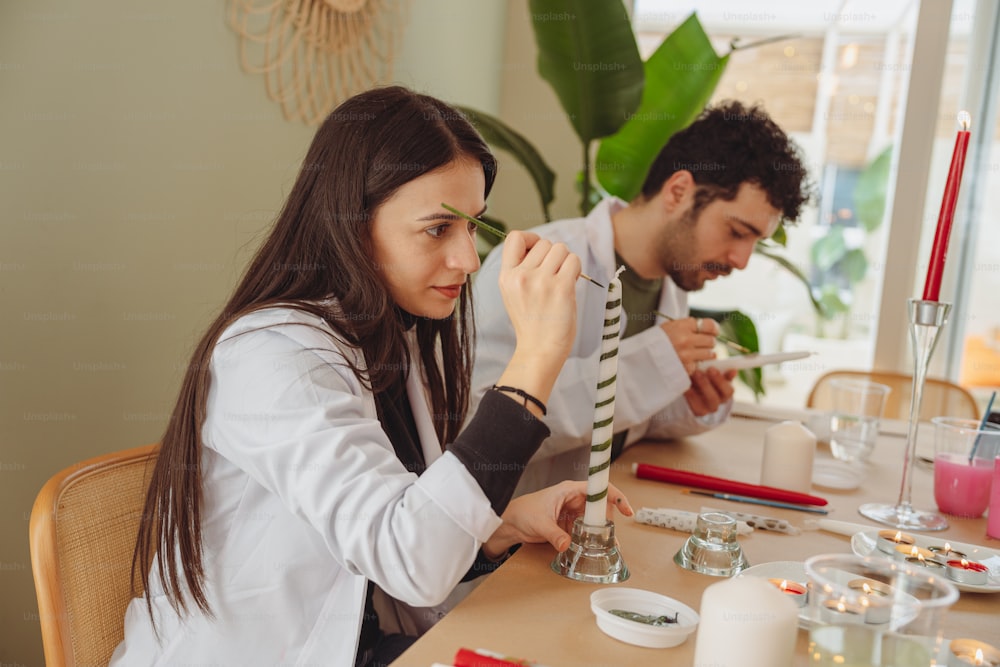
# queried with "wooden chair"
point(82, 531)
point(941, 397)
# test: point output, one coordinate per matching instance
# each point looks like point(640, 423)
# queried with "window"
point(839, 82)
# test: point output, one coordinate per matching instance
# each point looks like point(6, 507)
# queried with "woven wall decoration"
point(316, 53)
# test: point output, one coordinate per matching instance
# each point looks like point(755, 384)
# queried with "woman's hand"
point(547, 516)
point(538, 284)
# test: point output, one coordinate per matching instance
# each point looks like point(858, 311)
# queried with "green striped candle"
point(595, 513)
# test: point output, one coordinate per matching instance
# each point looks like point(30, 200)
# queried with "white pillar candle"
point(789, 449)
point(595, 513)
point(745, 622)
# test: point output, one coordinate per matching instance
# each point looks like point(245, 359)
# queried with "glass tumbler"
point(963, 465)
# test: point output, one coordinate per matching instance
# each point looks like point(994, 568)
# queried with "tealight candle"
point(912, 551)
point(964, 652)
point(876, 599)
point(796, 591)
point(923, 562)
point(879, 611)
point(871, 587)
point(968, 572)
point(888, 540)
point(840, 612)
point(946, 551)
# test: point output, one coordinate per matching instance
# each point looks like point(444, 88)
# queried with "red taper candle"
point(935, 268)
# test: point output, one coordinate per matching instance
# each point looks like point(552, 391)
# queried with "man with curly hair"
point(715, 189)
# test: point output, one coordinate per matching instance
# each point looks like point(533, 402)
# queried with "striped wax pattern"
point(604, 408)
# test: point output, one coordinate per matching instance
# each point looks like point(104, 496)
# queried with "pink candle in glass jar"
point(960, 488)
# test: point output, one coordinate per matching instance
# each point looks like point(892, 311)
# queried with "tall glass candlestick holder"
point(926, 320)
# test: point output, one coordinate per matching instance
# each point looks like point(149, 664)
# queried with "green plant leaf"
point(780, 235)
point(770, 252)
point(681, 76)
point(832, 303)
point(593, 194)
point(870, 191)
point(500, 135)
point(829, 249)
point(854, 265)
point(738, 327)
point(587, 53)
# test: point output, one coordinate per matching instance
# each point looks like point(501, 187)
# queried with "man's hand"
point(709, 389)
point(693, 340)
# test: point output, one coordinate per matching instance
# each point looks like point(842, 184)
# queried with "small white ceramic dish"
point(642, 602)
point(839, 475)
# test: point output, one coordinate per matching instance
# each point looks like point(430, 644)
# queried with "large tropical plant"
point(627, 107)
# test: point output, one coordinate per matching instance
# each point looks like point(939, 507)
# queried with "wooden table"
point(526, 610)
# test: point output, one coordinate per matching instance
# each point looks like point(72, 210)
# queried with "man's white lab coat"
point(651, 379)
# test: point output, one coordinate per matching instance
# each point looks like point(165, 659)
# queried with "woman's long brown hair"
point(320, 247)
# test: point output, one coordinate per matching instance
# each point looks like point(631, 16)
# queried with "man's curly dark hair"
point(730, 144)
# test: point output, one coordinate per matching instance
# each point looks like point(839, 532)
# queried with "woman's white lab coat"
point(302, 494)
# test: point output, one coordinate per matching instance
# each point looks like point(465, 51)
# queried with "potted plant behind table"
point(632, 109)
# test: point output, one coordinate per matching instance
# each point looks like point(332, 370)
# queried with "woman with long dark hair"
point(314, 455)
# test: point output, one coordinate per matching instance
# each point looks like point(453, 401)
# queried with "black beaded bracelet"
point(523, 394)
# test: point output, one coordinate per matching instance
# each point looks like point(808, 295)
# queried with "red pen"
point(480, 658)
point(673, 476)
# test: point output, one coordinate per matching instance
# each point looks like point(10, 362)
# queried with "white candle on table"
point(595, 513)
point(746, 622)
point(789, 449)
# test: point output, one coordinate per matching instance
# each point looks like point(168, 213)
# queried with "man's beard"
point(678, 243)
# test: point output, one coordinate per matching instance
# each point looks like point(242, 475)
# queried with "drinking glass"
point(963, 465)
point(857, 408)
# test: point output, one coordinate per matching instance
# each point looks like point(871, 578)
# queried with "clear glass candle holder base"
point(593, 555)
point(903, 516)
point(712, 548)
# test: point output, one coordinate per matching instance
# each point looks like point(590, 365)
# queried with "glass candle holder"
point(712, 548)
point(593, 555)
point(874, 612)
point(926, 321)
